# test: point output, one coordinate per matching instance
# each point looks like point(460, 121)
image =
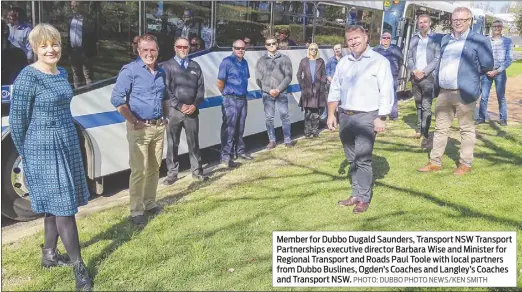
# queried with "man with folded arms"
point(362, 88)
point(139, 95)
point(186, 89)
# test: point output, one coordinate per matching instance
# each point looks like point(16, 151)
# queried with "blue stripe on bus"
point(114, 117)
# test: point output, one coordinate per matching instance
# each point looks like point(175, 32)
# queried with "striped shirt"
point(502, 53)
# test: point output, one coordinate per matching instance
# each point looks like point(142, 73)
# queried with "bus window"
point(293, 22)
point(96, 36)
point(16, 20)
point(240, 20)
point(440, 20)
point(330, 24)
point(170, 20)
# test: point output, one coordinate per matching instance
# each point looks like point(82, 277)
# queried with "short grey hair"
point(463, 9)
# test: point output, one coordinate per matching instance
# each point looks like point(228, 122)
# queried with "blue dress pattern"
point(43, 132)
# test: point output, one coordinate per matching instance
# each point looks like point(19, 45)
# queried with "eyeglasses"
point(271, 44)
point(460, 20)
point(386, 38)
point(239, 48)
point(182, 47)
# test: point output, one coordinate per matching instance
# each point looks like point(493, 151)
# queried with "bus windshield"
point(392, 17)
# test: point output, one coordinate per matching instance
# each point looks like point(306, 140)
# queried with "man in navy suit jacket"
point(465, 56)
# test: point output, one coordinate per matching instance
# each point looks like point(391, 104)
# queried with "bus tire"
point(15, 199)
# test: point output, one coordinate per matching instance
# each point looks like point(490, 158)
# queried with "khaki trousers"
point(449, 103)
point(145, 155)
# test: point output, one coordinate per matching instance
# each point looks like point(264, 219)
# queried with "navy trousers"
point(234, 110)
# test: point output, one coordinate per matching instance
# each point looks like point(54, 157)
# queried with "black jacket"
point(184, 86)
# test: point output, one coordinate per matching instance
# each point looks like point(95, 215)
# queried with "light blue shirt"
point(450, 61)
point(76, 31)
point(179, 60)
point(364, 84)
point(19, 37)
point(502, 53)
point(312, 69)
point(422, 61)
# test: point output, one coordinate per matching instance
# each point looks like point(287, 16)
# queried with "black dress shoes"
point(245, 156)
point(229, 164)
point(81, 275)
point(170, 180)
point(51, 257)
point(199, 176)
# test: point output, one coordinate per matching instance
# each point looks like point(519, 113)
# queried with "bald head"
point(239, 49)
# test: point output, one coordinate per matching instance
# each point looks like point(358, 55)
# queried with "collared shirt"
point(394, 54)
point(141, 90)
point(180, 61)
point(235, 74)
point(364, 84)
point(19, 37)
point(75, 32)
point(450, 61)
point(422, 46)
point(330, 66)
point(502, 53)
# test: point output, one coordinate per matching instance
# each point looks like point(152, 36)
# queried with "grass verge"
point(210, 228)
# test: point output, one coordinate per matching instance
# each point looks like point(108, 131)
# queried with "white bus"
point(217, 23)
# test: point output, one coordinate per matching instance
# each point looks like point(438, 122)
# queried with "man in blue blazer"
point(465, 56)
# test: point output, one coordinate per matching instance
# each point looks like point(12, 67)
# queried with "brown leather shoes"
point(361, 207)
point(271, 145)
point(430, 167)
point(462, 169)
point(348, 202)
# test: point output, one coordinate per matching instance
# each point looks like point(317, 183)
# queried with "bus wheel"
point(15, 195)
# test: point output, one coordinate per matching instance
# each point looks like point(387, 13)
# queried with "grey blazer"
point(432, 54)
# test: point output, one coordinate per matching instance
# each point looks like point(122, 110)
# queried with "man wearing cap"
point(394, 54)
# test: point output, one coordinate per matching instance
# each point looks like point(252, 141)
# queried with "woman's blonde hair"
point(313, 46)
point(43, 33)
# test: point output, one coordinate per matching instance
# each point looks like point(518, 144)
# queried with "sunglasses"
point(386, 38)
point(497, 26)
point(313, 49)
point(182, 47)
point(193, 45)
point(239, 48)
point(271, 44)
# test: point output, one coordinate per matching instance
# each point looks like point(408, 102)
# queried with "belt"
point(235, 96)
point(351, 113)
point(444, 89)
point(153, 121)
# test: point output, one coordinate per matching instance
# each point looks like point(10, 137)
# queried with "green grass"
point(515, 69)
point(227, 223)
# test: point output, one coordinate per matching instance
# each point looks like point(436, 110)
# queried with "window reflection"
point(242, 20)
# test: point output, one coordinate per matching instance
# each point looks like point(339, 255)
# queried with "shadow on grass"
point(125, 230)
point(410, 120)
point(463, 210)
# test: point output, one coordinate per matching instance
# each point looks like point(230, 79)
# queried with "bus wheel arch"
point(87, 148)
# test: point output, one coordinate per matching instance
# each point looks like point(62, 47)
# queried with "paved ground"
point(116, 186)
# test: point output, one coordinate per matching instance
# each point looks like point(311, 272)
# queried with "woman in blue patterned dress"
point(44, 134)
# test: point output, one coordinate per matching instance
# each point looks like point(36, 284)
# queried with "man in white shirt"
point(362, 90)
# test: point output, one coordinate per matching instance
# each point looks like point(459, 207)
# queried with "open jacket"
point(313, 94)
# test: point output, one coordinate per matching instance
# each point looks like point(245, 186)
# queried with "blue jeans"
point(270, 104)
point(234, 112)
point(500, 85)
